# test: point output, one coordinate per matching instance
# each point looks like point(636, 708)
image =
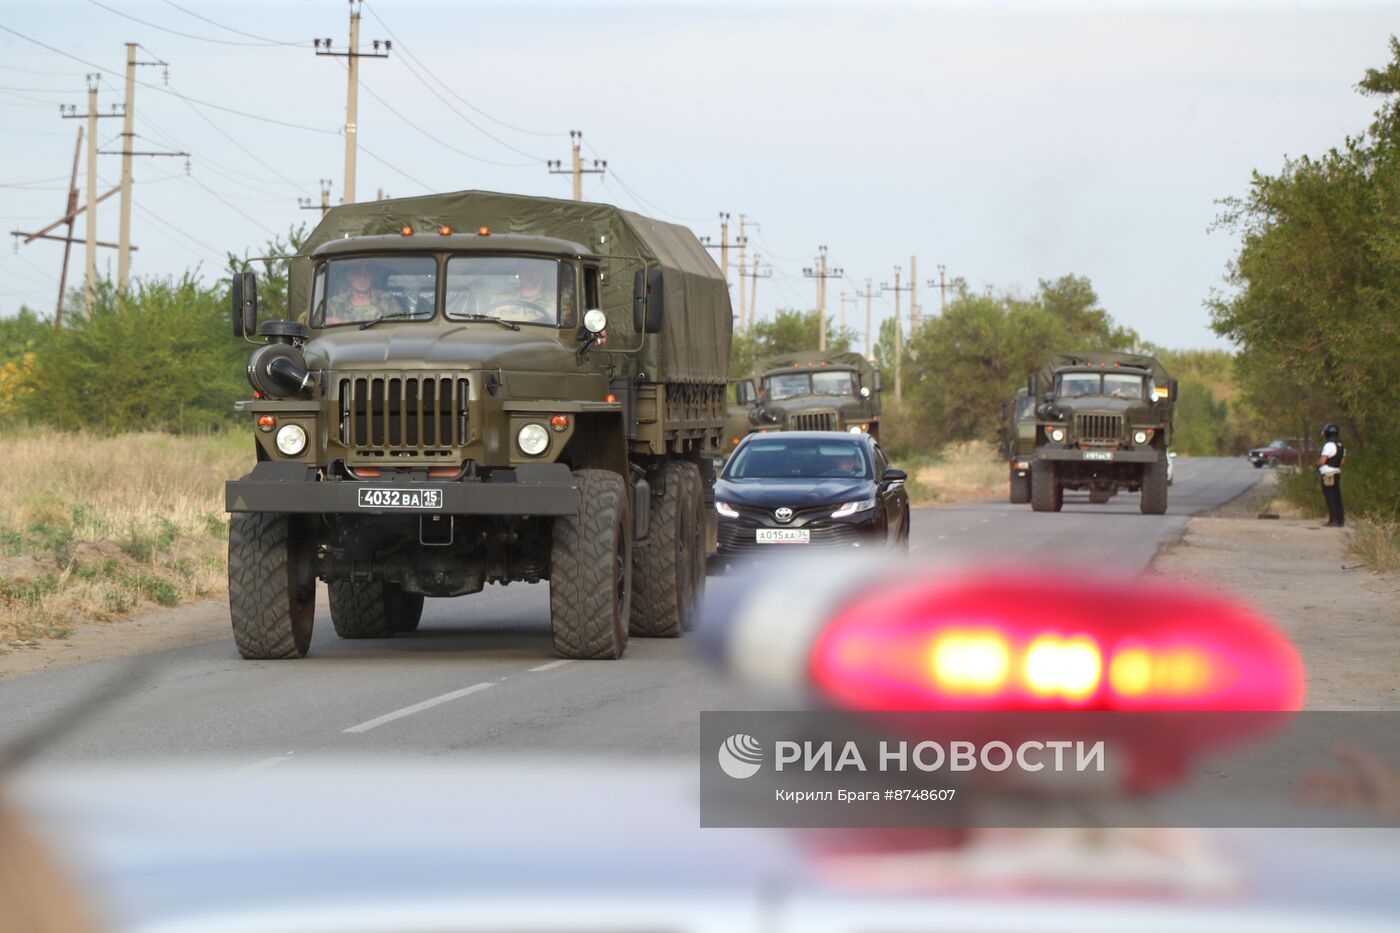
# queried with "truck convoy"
point(1103, 422)
point(810, 391)
point(481, 388)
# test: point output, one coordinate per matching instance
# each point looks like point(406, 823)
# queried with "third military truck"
point(480, 388)
point(808, 391)
point(1103, 422)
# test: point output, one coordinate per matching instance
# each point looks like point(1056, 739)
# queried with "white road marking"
point(551, 665)
point(417, 708)
point(266, 763)
point(941, 537)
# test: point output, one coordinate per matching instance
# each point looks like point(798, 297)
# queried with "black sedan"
point(809, 489)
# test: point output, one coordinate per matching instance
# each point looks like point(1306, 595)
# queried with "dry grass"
point(1376, 544)
point(965, 472)
point(95, 528)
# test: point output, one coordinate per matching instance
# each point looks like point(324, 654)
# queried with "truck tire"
point(408, 612)
point(1154, 488)
point(590, 574)
point(271, 586)
point(1020, 488)
point(665, 564)
point(365, 609)
point(1046, 494)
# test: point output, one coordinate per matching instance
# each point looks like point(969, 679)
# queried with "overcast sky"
point(1009, 143)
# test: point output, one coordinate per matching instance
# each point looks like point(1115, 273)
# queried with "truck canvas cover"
point(783, 360)
point(694, 343)
point(1106, 357)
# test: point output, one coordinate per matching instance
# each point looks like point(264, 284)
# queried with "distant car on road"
point(1279, 453)
point(810, 489)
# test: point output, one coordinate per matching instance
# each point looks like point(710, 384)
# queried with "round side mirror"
point(595, 321)
point(865, 391)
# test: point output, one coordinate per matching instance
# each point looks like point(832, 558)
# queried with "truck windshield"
point(833, 383)
point(520, 289)
point(1077, 384)
point(785, 458)
point(790, 385)
point(1121, 385)
point(364, 288)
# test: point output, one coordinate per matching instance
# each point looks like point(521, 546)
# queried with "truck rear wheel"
point(408, 613)
point(1154, 488)
point(666, 562)
point(1020, 488)
point(590, 582)
point(366, 609)
point(1046, 493)
point(271, 586)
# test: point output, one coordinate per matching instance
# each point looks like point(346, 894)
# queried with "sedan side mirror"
point(893, 476)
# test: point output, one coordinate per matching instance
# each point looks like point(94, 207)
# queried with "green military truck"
point(813, 391)
point(1103, 423)
point(481, 388)
point(1019, 418)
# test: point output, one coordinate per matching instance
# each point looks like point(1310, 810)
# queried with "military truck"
point(1103, 423)
point(1018, 415)
point(814, 391)
point(515, 389)
point(736, 421)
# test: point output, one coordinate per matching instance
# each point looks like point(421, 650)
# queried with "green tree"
point(789, 331)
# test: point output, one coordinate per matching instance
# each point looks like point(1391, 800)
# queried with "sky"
point(1009, 143)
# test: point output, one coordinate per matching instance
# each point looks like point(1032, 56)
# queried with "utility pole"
point(126, 152)
point(841, 328)
point(68, 240)
point(722, 246)
point(898, 333)
point(742, 242)
point(942, 287)
point(307, 204)
point(92, 116)
point(913, 294)
point(576, 168)
point(352, 93)
point(753, 276)
point(868, 294)
point(821, 274)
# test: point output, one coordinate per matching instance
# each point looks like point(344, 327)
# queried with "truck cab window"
point(363, 288)
point(519, 289)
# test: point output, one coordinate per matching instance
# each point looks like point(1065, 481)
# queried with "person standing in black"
point(1329, 468)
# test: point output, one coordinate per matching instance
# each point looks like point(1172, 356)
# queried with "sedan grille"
point(1098, 428)
point(813, 421)
point(402, 416)
point(734, 537)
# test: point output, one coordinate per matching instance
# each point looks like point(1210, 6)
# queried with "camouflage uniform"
point(513, 306)
point(342, 309)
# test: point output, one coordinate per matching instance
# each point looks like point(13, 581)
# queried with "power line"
point(239, 32)
point(446, 145)
point(392, 167)
point(448, 87)
point(176, 32)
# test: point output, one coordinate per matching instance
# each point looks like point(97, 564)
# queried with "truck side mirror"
point(1004, 406)
point(1171, 390)
point(243, 301)
point(744, 393)
point(648, 301)
point(1031, 385)
point(879, 381)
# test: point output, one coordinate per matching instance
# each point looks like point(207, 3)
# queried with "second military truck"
point(481, 388)
point(812, 391)
point(1103, 422)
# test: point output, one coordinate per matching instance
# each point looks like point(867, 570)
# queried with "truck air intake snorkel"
point(278, 368)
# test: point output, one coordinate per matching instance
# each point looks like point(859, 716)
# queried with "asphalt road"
point(480, 676)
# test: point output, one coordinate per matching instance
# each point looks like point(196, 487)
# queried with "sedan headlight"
point(725, 509)
point(533, 439)
point(291, 440)
point(851, 508)
point(1056, 434)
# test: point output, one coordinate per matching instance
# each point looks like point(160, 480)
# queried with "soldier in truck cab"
point(357, 299)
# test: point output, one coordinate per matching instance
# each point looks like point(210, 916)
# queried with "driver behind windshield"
point(357, 299)
point(528, 302)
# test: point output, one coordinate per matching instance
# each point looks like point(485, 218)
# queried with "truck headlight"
point(1056, 434)
point(854, 429)
point(291, 440)
point(533, 439)
point(1142, 436)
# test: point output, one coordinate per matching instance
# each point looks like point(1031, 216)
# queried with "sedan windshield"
point(791, 385)
point(798, 458)
point(519, 289)
point(365, 288)
point(833, 383)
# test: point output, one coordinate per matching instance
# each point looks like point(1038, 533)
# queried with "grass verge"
point(99, 528)
point(965, 472)
point(1375, 544)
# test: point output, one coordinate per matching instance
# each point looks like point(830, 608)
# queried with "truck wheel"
point(590, 581)
point(364, 609)
point(271, 586)
point(407, 611)
point(1020, 489)
point(665, 564)
point(1046, 494)
point(1154, 488)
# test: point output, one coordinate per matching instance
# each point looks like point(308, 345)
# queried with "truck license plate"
point(1098, 455)
point(784, 536)
point(387, 498)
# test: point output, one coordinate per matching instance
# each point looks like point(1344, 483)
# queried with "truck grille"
point(402, 416)
point(1098, 428)
point(813, 421)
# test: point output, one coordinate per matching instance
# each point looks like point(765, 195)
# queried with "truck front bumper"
point(530, 489)
point(1091, 455)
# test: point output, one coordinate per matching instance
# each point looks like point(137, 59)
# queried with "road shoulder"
point(1340, 616)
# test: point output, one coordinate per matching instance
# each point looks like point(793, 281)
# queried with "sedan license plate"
point(1098, 455)
point(784, 536)
point(379, 497)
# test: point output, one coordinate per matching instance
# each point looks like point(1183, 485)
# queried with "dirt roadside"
point(1343, 619)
